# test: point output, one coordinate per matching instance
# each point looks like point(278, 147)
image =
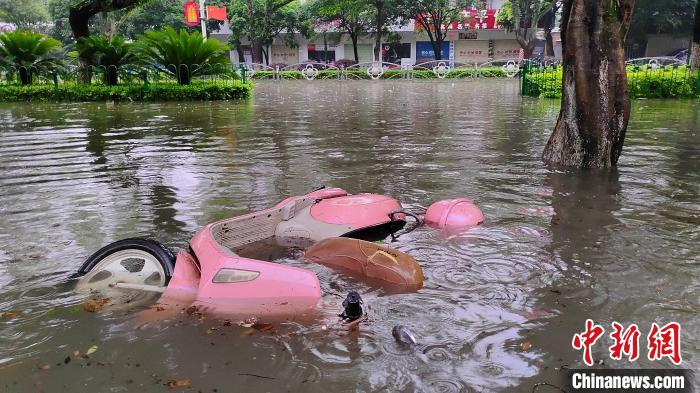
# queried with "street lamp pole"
point(203, 14)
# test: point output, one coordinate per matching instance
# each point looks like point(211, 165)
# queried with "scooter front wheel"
point(139, 264)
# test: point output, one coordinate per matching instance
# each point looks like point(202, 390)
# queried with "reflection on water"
point(500, 302)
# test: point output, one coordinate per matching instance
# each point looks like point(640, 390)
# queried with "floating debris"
point(403, 335)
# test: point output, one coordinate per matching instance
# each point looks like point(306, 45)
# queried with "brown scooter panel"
point(369, 259)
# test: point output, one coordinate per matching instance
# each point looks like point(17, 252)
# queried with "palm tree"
point(29, 53)
point(108, 53)
point(183, 55)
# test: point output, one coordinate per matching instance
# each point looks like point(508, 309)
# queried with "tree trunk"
point(595, 106)
point(239, 50)
point(528, 46)
point(695, 49)
point(353, 37)
point(548, 20)
point(25, 76)
point(266, 58)
point(256, 48)
point(79, 19)
point(379, 24)
point(111, 75)
point(549, 44)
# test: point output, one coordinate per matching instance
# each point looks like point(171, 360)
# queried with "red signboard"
point(192, 17)
point(484, 19)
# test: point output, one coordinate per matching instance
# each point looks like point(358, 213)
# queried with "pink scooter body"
point(275, 288)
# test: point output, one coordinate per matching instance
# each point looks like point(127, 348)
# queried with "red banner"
point(484, 19)
point(192, 17)
point(216, 13)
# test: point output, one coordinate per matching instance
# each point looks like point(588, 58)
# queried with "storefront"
point(284, 55)
point(426, 53)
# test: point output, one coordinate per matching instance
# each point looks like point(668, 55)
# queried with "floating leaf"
point(247, 332)
point(8, 314)
point(91, 350)
point(248, 322)
point(174, 384)
point(263, 327)
point(94, 305)
point(525, 345)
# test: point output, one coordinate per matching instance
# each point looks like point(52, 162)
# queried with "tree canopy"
point(654, 16)
point(260, 21)
point(23, 13)
point(522, 18)
point(353, 17)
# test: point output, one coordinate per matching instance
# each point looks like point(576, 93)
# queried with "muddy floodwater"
point(500, 304)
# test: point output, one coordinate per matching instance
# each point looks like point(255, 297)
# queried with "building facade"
point(476, 39)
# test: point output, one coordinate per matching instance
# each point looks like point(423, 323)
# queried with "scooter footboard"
point(242, 283)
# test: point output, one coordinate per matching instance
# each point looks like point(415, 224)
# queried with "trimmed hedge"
point(488, 72)
point(127, 92)
point(642, 83)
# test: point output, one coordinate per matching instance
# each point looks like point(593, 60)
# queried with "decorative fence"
point(650, 77)
point(112, 75)
point(439, 69)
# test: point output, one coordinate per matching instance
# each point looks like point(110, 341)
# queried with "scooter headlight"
point(228, 276)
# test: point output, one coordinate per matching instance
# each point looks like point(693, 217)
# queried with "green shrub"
point(107, 53)
point(667, 82)
point(73, 92)
point(183, 55)
point(29, 53)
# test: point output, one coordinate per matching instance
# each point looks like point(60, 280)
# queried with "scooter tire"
point(164, 256)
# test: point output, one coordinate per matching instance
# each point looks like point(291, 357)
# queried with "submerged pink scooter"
point(213, 273)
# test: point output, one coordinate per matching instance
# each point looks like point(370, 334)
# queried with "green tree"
point(107, 53)
point(82, 12)
point(159, 14)
point(29, 53)
point(182, 54)
point(385, 14)
point(434, 16)
point(103, 23)
point(522, 17)
point(654, 17)
point(260, 21)
point(23, 13)
point(354, 17)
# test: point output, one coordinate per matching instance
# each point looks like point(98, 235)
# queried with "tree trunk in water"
point(595, 105)
point(79, 19)
point(695, 49)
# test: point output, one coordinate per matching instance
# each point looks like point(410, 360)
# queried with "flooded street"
point(500, 303)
